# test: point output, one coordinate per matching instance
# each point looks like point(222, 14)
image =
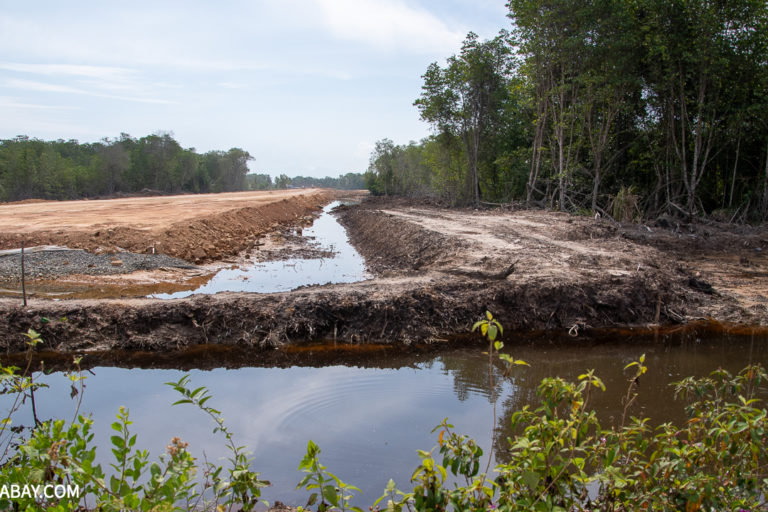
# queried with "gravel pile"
point(52, 263)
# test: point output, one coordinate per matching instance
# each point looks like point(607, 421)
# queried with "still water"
point(345, 266)
point(369, 413)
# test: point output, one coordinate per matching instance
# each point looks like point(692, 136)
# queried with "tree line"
point(34, 168)
point(348, 181)
point(612, 106)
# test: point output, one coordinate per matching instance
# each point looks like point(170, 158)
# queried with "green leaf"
point(329, 495)
point(531, 479)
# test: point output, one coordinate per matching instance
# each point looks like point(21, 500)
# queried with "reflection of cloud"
point(356, 415)
point(388, 24)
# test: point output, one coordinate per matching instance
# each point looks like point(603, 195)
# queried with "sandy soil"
point(437, 270)
point(196, 228)
point(144, 213)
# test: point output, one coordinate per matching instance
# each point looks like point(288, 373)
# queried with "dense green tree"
point(700, 58)
point(232, 168)
point(467, 96)
point(381, 170)
point(348, 181)
point(590, 103)
point(257, 181)
point(282, 181)
point(114, 160)
point(70, 170)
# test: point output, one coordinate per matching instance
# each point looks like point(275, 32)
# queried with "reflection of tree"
point(666, 363)
point(470, 373)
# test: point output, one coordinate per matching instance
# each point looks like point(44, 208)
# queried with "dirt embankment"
point(195, 228)
point(437, 271)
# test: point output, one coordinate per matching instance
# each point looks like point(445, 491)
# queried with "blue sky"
point(305, 86)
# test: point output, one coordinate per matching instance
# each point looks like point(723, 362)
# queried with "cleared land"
point(437, 270)
point(145, 213)
point(196, 228)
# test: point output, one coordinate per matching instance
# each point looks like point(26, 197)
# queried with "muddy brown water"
point(371, 407)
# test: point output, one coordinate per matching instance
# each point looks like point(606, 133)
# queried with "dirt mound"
point(388, 243)
point(198, 240)
point(388, 312)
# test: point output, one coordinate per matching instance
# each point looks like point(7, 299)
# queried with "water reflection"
point(371, 414)
point(345, 266)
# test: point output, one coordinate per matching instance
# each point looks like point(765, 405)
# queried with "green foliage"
point(658, 106)
point(240, 486)
point(562, 459)
point(61, 453)
point(467, 100)
point(329, 490)
point(348, 181)
point(32, 168)
point(282, 181)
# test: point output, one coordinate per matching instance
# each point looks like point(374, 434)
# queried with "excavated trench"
point(437, 271)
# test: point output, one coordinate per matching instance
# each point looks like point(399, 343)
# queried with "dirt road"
point(437, 271)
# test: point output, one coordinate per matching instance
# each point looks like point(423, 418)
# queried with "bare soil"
point(437, 271)
point(197, 228)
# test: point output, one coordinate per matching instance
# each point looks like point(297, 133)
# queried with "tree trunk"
point(538, 137)
point(733, 178)
point(596, 184)
point(765, 187)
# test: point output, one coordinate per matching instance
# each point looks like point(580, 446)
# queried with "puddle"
point(326, 234)
point(370, 415)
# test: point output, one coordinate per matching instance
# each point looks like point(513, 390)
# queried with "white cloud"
point(102, 72)
point(388, 24)
point(31, 85)
point(8, 102)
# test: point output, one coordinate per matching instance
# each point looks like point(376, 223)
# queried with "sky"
point(305, 86)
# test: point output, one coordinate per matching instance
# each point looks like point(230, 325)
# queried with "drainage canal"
point(342, 265)
point(368, 409)
point(319, 254)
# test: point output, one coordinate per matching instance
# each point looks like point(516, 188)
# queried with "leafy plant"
point(58, 453)
point(242, 487)
point(490, 328)
point(329, 490)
